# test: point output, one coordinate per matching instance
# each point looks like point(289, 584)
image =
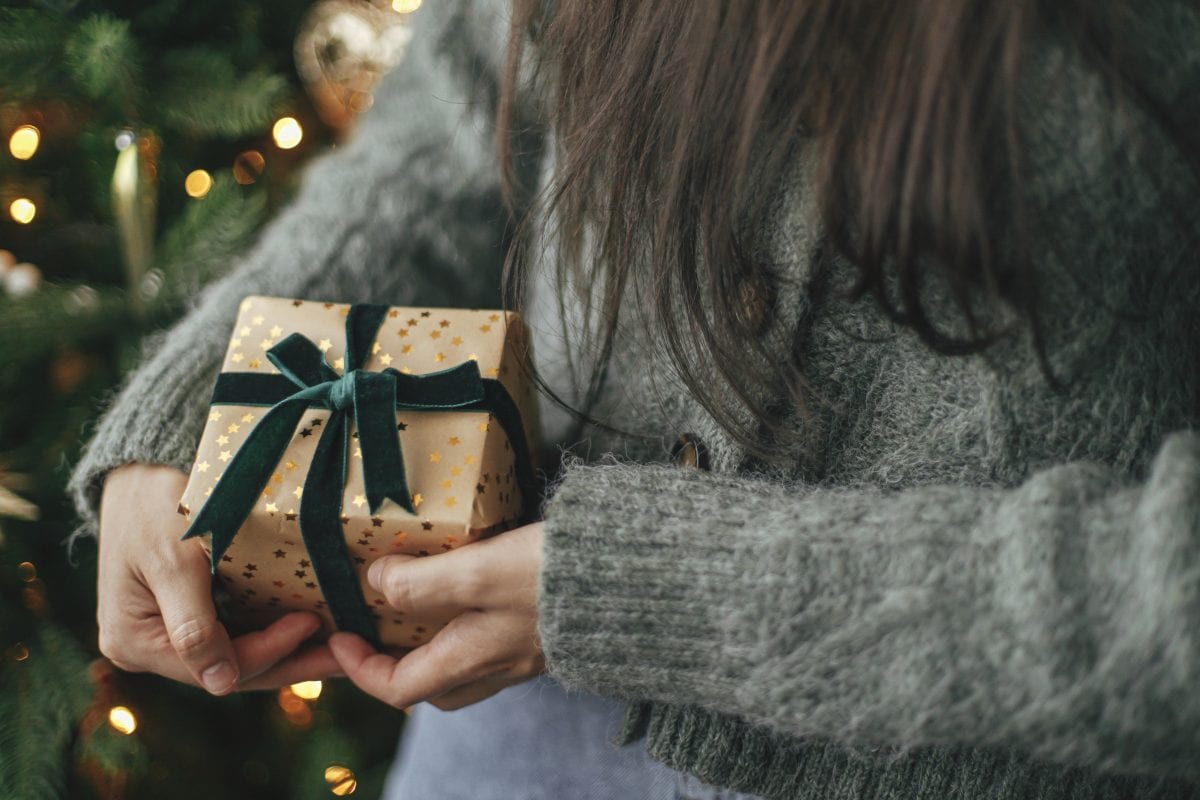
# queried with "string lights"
point(22, 210)
point(23, 142)
point(287, 133)
point(197, 183)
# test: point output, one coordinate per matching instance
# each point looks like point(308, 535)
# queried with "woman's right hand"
point(154, 599)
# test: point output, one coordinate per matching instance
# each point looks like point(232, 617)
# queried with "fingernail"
point(373, 573)
point(219, 677)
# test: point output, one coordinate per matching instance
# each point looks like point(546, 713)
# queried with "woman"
point(879, 320)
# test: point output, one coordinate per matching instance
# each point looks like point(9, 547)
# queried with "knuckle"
point(193, 636)
point(110, 645)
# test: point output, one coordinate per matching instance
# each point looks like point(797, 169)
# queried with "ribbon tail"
point(321, 527)
point(382, 457)
point(242, 482)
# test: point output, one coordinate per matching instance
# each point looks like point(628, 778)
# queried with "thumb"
point(199, 638)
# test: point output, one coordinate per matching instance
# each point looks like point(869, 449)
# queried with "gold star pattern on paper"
point(447, 483)
point(290, 465)
point(237, 358)
point(277, 478)
point(417, 500)
point(244, 330)
point(258, 319)
point(233, 427)
point(470, 459)
point(214, 415)
point(485, 328)
point(299, 490)
point(254, 363)
point(456, 341)
point(266, 344)
point(271, 508)
point(359, 500)
point(246, 305)
point(450, 502)
point(492, 372)
point(456, 471)
point(435, 457)
point(375, 348)
point(435, 334)
point(452, 440)
point(247, 417)
point(202, 466)
point(473, 357)
point(483, 426)
point(225, 455)
point(406, 349)
point(339, 363)
point(276, 331)
point(324, 345)
point(440, 357)
point(445, 323)
point(385, 359)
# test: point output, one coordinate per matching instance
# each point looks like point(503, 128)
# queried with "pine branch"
point(104, 60)
point(204, 96)
point(43, 697)
point(30, 49)
point(54, 316)
point(210, 232)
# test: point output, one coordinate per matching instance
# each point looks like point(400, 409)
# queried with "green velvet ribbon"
point(371, 399)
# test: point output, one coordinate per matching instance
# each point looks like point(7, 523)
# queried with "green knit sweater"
point(965, 586)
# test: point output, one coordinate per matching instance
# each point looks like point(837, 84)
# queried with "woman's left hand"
point(491, 644)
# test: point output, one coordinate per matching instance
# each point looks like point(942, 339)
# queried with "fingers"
point(197, 636)
point(306, 664)
point(437, 586)
point(422, 673)
point(261, 651)
point(472, 693)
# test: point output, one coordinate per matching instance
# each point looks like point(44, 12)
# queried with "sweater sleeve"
point(1058, 617)
point(407, 212)
point(1055, 614)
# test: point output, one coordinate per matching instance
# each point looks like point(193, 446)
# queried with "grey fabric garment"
point(963, 585)
point(535, 741)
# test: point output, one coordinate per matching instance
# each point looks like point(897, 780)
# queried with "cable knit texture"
point(966, 585)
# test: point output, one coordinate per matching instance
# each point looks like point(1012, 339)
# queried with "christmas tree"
point(146, 143)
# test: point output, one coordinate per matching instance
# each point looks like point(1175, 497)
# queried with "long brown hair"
point(663, 111)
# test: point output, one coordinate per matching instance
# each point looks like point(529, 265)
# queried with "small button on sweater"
point(966, 585)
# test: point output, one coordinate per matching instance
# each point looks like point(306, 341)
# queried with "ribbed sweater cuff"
point(633, 580)
point(155, 419)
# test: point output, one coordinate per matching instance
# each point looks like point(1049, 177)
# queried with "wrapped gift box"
point(265, 492)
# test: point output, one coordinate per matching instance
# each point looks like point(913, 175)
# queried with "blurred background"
point(142, 144)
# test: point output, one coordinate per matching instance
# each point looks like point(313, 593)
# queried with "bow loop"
point(301, 361)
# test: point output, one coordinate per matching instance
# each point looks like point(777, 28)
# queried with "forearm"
point(1053, 618)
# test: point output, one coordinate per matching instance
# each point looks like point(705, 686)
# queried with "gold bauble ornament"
point(343, 50)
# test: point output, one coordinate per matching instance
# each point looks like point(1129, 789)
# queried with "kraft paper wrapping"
point(460, 467)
